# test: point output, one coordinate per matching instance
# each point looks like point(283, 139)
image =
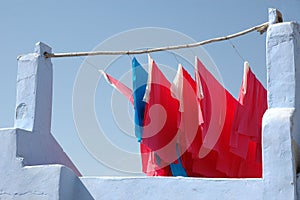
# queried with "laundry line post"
point(281, 121)
point(34, 91)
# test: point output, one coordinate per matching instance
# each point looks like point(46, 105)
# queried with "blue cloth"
point(177, 168)
point(139, 83)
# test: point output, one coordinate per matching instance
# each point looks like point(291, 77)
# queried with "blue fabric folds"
point(177, 168)
point(139, 83)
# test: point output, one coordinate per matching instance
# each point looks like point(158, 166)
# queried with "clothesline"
point(260, 28)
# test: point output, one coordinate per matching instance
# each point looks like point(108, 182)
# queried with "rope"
point(260, 28)
point(236, 51)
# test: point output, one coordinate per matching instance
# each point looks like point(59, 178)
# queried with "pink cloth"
point(122, 88)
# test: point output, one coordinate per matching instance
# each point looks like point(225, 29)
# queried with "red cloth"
point(214, 158)
point(237, 152)
point(149, 163)
point(189, 133)
point(149, 160)
point(184, 90)
point(217, 135)
point(245, 138)
point(160, 120)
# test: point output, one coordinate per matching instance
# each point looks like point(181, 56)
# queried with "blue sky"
point(82, 25)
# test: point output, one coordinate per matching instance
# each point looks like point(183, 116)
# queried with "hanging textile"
point(195, 127)
point(161, 135)
point(217, 108)
point(245, 138)
point(139, 82)
point(151, 163)
point(122, 88)
point(160, 125)
point(177, 166)
point(184, 90)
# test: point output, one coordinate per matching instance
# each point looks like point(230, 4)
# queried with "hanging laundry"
point(195, 127)
point(199, 94)
point(122, 88)
point(177, 166)
point(149, 160)
point(184, 90)
point(245, 138)
point(218, 107)
point(139, 82)
point(160, 125)
point(151, 163)
point(194, 139)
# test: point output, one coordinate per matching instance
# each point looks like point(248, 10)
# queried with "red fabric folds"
point(217, 135)
point(149, 163)
point(236, 152)
point(160, 119)
point(246, 131)
point(189, 134)
point(214, 158)
point(184, 90)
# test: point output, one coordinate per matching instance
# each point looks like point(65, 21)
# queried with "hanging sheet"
point(160, 125)
point(246, 132)
point(139, 82)
point(195, 127)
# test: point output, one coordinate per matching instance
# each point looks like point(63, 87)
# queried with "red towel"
point(160, 120)
point(246, 133)
point(214, 158)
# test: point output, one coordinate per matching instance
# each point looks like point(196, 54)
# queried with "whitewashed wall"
point(32, 163)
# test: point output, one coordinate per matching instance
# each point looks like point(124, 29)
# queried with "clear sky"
point(82, 25)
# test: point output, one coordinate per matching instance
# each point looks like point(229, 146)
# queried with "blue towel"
point(177, 168)
point(139, 83)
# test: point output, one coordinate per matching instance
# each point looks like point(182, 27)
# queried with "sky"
point(69, 26)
